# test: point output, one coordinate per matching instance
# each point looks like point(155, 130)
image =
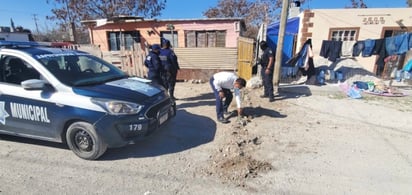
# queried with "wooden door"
point(245, 57)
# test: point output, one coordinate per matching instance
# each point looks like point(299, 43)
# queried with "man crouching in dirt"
point(222, 83)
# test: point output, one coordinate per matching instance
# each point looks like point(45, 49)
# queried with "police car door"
point(23, 112)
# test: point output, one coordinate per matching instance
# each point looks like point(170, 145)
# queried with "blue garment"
point(267, 83)
point(156, 47)
point(397, 45)
point(267, 53)
point(354, 92)
point(368, 49)
point(410, 41)
point(357, 48)
point(301, 61)
point(153, 63)
point(402, 42)
point(170, 66)
point(267, 78)
point(169, 60)
point(408, 66)
point(390, 46)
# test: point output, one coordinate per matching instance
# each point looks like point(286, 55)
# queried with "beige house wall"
point(320, 21)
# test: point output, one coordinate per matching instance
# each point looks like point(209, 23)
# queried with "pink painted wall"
point(99, 34)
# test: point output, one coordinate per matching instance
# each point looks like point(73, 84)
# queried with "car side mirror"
point(33, 84)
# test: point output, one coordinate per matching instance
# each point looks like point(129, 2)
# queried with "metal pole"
point(279, 48)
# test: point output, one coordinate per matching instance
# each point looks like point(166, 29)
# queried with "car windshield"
point(81, 70)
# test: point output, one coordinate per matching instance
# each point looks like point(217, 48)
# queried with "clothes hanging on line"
point(347, 48)
point(357, 48)
point(380, 50)
point(331, 50)
point(395, 45)
point(368, 49)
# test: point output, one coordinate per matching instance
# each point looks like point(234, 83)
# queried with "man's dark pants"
point(171, 84)
point(221, 106)
point(267, 83)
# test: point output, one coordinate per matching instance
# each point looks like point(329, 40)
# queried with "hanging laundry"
point(347, 48)
point(410, 41)
point(357, 48)
point(397, 44)
point(331, 49)
point(368, 49)
point(304, 60)
point(380, 50)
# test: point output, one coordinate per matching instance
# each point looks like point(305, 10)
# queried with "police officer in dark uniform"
point(170, 65)
point(268, 62)
point(154, 65)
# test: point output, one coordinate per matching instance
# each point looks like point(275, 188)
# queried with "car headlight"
point(116, 107)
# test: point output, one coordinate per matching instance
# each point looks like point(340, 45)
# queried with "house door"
point(245, 57)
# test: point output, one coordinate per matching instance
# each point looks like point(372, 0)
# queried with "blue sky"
point(26, 12)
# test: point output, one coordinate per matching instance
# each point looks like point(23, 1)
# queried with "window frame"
point(395, 31)
point(343, 35)
point(129, 39)
point(205, 38)
point(168, 35)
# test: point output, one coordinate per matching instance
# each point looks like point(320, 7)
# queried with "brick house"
point(352, 25)
point(203, 46)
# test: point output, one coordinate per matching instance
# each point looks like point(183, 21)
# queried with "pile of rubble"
point(233, 162)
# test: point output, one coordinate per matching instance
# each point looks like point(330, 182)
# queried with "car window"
point(76, 70)
point(15, 70)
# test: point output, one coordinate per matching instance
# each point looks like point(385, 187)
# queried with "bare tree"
point(69, 13)
point(358, 4)
point(72, 10)
point(253, 12)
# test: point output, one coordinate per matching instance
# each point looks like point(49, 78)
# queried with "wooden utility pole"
point(279, 48)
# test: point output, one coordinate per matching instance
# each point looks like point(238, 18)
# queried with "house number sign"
point(373, 20)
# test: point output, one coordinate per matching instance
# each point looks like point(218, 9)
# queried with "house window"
point(391, 32)
point(237, 26)
point(173, 39)
point(343, 34)
point(205, 38)
point(120, 39)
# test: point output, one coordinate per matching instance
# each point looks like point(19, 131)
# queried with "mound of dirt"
point(233, 162)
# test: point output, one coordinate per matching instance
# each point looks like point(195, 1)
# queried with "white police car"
point(76, 98)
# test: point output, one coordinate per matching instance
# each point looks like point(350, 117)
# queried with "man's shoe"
point(264, 96)
point(223, 120)
point(227, 114)
point(272, 99)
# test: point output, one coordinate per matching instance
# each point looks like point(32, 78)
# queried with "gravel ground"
point(311, 140)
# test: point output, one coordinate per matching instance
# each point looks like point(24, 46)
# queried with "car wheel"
point(83, 140)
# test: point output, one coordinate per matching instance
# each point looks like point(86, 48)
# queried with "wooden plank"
point(245, 57)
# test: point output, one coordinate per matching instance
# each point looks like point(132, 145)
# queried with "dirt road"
point(311, 140)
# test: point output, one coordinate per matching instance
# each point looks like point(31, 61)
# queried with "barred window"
point(343, 34)
point(124, 39)
point(205, 38)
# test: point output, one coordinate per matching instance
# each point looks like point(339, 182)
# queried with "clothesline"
point(384, 47)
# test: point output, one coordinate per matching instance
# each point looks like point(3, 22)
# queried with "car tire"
point(83, 140)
